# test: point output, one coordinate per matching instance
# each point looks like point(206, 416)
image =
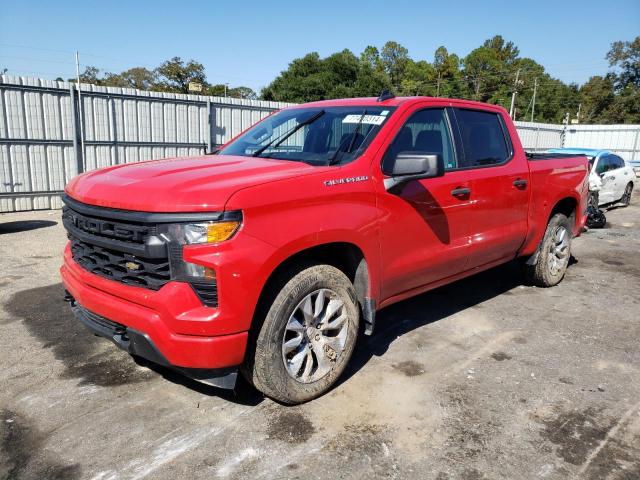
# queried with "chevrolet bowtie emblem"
point(132, 266)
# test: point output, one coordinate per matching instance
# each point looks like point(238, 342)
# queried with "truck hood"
point(179, 184)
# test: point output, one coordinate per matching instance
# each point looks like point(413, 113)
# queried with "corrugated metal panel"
point(119, 125)
point(621, 139)
point(539, 136)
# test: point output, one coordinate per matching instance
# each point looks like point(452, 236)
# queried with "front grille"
point(107, 228)
point(126, 252)
point(132, 247)
point(121, 267)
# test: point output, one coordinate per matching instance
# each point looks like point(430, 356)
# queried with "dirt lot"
point(484, 378)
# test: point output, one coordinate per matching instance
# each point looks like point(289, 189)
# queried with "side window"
point(618, 162)
point(601, 167)
point(483, 138)
point(426, 131)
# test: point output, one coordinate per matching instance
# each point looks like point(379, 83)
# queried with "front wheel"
point(307, 337)
point(554, 253)
point(626, 196)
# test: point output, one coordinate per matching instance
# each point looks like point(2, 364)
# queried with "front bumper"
point(173, 320)
point(139, 344)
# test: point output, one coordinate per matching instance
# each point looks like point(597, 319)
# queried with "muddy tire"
point(553, 254)
point(307, 337)
point(626, 197)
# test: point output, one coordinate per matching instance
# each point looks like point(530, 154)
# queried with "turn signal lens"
point(211, 232)
point(221, 231)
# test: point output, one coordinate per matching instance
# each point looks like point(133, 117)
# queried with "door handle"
point(460, 192)
point(520, 183)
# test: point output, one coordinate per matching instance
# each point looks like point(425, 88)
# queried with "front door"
point(426, 237)
point(605, 168)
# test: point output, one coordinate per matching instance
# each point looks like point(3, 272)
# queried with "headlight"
point(211, 232)
point(219, 228)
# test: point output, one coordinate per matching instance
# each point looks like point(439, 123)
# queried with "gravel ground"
point(484, 378)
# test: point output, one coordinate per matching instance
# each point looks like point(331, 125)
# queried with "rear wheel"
point(553, 253)
point(626, 196)
point(307, 337)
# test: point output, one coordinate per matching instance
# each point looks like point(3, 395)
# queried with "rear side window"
point(617, 161)
point(483, 138)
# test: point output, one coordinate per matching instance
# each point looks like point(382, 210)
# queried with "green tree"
point(625, 56)
point(89, 75)
point(137, 77)
point(394, 59)
point(483, 73)
point(175, 75)
point(447, 74)
point(371, 57)
point(418, 79)
point(300, 82)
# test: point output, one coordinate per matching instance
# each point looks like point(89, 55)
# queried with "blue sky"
point(250, 42)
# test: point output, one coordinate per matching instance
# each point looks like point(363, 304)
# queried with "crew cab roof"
point(395, 102)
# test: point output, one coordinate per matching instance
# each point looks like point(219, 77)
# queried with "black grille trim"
point(207, 292)
point(127, 252)
point(122, 267)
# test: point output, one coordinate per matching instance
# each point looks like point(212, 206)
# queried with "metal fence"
point(50, 132)
point(621, 139)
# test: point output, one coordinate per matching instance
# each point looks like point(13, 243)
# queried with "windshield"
point(322, 136)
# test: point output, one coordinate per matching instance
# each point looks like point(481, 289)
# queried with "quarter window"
point(483, 138)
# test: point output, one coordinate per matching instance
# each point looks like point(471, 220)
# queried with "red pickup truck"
point(269, 257)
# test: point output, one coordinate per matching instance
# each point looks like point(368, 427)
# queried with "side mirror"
point(414, 166)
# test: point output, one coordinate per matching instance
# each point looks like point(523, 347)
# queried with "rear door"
point(622, 176)
point(500, 186)
point(424, 233)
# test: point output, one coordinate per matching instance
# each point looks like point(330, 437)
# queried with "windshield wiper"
point(356, 131)
point(278, 140)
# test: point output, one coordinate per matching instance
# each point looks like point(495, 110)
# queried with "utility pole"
point(578, 114)
point(80, 109)
point(513, 95)
point(226, 85)
point(438, 90)
point(533, 105)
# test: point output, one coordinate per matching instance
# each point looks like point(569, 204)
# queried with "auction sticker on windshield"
point(370, 119)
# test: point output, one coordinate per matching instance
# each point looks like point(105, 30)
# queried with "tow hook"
point(69, 299)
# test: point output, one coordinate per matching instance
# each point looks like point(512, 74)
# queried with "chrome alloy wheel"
point(559, 251)
point(315, 336)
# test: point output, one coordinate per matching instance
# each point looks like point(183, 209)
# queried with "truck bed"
point(533, 156)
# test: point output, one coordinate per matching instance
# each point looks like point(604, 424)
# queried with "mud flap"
point(369, 315)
